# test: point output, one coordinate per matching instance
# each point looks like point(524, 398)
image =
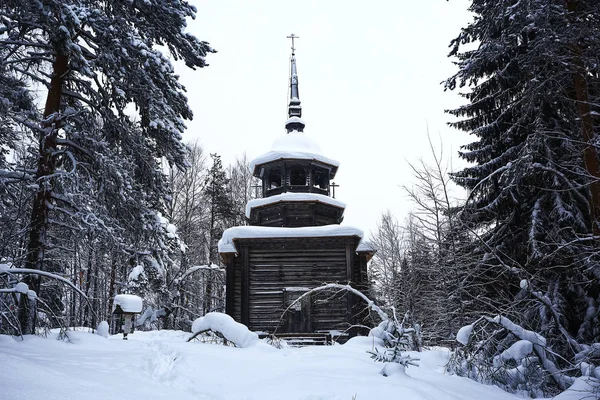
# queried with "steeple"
point(294, 122)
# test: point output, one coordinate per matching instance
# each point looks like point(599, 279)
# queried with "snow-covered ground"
point(162, 365)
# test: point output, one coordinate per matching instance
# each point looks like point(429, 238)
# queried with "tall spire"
point(294, 122)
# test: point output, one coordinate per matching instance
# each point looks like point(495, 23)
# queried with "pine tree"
point(534, 77)
point(95, 58)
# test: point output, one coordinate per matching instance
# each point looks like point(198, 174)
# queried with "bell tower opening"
point(298, 176)
point(320, 180)
point(274, 179)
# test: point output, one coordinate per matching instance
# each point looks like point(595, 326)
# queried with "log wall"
point(268, 266)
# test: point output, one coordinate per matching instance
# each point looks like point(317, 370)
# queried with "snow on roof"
point(129, 303)
point(293, 197)
point(226, 244)
point(294, 119)
point(294, 145)
point(365, 247)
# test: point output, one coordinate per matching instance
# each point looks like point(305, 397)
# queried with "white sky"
point(369, 81)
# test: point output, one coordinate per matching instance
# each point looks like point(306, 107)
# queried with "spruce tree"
point(533, 74)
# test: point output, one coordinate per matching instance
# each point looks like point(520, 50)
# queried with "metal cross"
point(292, 36)
point(333, 186)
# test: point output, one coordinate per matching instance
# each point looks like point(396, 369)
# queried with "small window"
point(320, 178)
point(274, 179)
point(297, 176)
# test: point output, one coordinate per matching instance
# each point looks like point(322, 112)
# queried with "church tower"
point(295, 175)
point(295, 241)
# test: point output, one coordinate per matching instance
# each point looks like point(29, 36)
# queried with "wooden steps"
point(308, 339)
point(303, 339)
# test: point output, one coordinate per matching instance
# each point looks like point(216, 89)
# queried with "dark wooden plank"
point(245, 286)
point(230, 288)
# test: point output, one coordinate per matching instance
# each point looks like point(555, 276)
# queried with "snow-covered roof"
point(365, 247)
point(129, 303)
point(294, 120)
point(226, 244)
point(293, 197)
point(294, 145)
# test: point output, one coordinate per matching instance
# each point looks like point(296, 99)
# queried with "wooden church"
point(294, 242)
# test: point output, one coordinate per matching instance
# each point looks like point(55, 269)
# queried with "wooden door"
point(298, 318)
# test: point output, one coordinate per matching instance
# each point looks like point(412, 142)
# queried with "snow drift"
point(224, 324)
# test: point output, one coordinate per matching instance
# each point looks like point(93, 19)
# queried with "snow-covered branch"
point(329, 286)
point(5, 270)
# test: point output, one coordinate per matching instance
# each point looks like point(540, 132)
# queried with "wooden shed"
point(294, 242)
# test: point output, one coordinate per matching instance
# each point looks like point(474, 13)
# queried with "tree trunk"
point(590, 154)
point(42, 199)
point(95, 299)
point(111, 286)
point(88, 281)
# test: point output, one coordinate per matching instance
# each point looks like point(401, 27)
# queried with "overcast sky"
point(369, 80)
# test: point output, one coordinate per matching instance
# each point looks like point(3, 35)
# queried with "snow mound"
point(224, 324)
point(583, 388)
point(128, 302)
point(390, 369)
point(102, 329)
point(365, 342)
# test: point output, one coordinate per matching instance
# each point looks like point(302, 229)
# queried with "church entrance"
point(298, 317)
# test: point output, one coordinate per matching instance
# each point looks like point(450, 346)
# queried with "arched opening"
point(274, 180)
point(297, 176)
point(320, 179)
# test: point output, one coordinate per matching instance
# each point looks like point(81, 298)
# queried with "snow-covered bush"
point(498, 351)
point(394, 333)
point(397, 337)
point(233, 331)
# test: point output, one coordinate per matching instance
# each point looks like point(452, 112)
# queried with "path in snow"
point(162, 365)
